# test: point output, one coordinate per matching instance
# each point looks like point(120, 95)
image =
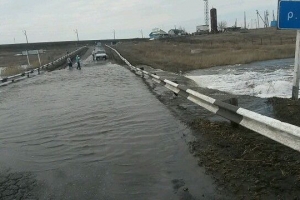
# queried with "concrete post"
point(26, 49)
point(234, 101)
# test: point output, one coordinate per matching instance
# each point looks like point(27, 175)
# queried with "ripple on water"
point(96, 127)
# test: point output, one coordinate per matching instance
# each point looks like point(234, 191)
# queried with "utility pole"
point(76, 31)
point(26, 48)
point(257, 18)
point(266, 19)
point(245, 20)
point(142, 33)
point(114, 35)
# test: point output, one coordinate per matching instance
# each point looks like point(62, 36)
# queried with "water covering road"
point(97, 133)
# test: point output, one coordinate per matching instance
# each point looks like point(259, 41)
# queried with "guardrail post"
point(234, 102)
point(142, 70)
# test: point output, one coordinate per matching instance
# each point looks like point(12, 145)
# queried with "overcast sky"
point(56, 20)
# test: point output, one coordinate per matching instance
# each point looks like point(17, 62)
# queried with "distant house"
point(177, 32)
point(202, 29)
point(158, 33)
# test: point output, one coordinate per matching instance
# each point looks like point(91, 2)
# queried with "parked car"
point(100, 55)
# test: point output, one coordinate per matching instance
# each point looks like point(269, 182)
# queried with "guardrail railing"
point(11, 79)
point(284, 133)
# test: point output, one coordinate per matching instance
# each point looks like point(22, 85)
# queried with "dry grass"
point(190, 53)
point(12, 71)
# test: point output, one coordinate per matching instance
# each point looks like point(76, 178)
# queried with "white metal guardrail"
point(284, 133)
point(11, 79)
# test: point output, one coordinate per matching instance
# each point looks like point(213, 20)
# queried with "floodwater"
point(261, 79)
point(97, 133)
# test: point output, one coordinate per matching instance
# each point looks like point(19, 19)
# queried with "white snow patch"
point(262, 82)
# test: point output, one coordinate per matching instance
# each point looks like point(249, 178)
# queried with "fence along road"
point(284, 133)
point(21, 76)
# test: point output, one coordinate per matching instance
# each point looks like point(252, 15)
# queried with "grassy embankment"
point(203, 51)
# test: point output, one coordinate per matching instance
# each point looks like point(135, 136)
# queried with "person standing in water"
point(93, 53)
point(78, 62)
point(69, 61)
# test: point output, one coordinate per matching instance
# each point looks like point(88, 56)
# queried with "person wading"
point(69, 61)
point(78, 62)
point(93, 53)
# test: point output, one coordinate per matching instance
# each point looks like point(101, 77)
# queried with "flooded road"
point(97, 133)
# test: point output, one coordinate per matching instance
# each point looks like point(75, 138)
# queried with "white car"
point(100, 55)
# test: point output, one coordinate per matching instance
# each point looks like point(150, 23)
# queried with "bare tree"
point(181, 28)
point(222, 25)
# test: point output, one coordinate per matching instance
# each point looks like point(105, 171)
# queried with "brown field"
point(202, 51)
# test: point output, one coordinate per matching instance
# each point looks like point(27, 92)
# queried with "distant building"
point(158, 33)
point(33, 52)
point(177, 32)
point(202, 29)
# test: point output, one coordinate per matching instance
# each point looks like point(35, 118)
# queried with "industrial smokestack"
point(213, 20)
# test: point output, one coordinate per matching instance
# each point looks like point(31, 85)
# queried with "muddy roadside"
point(243, 163)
